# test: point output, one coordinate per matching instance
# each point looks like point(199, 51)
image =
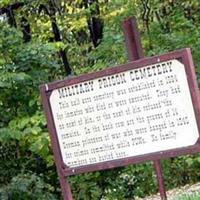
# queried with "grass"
point(193, 196)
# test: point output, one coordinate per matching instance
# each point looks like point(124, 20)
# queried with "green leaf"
point(7, 135)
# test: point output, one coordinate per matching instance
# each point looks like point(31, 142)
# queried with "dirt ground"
point(171, 194)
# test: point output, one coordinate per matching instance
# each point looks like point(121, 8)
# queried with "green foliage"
point(24, 142)
point(183, 168)
point(88, 186)
point(27, 187)
point(134, 180)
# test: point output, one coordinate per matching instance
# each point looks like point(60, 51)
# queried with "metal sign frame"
point(183, 56)
point(135, 52)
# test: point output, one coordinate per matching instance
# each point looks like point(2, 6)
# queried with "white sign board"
point(132, 113)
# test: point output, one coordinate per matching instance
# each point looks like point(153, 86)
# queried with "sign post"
point(65, 187)
point(124, 115)
point(135, 52)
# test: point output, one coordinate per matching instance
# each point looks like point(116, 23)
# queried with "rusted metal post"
point(65, 187)
point(135, 52)
point(66, 190)
point(132, 39)
point(160, 179)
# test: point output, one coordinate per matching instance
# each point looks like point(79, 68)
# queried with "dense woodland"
point(46, 40)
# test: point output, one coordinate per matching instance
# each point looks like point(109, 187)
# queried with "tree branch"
point(14, 6)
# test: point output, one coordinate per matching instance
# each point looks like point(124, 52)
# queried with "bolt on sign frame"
point(182, 56)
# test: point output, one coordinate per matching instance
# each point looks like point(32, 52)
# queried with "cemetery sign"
point(144, 110)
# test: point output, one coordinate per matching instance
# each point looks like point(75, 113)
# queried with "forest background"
point(46, 40)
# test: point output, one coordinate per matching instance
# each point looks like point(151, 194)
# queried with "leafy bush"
point(27, 187)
